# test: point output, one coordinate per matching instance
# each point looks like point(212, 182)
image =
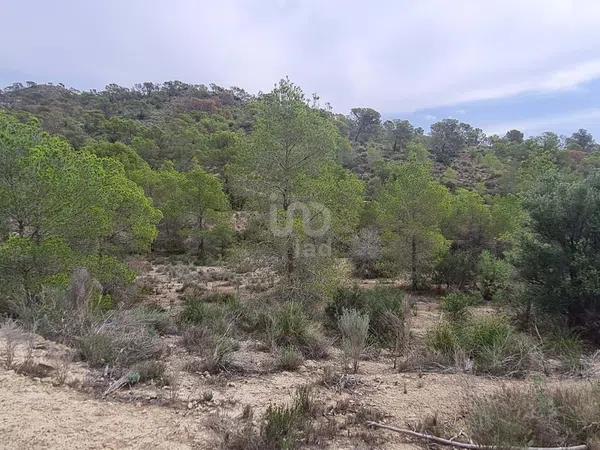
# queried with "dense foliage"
point(89, 178)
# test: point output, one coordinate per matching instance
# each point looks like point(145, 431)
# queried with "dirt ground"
point(35, 413)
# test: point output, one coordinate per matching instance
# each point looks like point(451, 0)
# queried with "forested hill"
point(89, 179)
point(188, 124)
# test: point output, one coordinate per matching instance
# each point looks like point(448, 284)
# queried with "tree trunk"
point(290, 263)
point(413, 265)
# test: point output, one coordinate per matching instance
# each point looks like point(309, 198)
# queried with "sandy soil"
point(39, 415)
point(34, 413)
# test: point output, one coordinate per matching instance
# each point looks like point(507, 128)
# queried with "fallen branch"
point(443, 441)
point(117, 384)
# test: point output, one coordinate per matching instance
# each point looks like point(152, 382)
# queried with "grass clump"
point(565, 345)
point(121, 340)
point(222, 316)
point(151, 370)
point(380, 304)
point(538, 416)
point(282, 426)
point(354, 327)
point(215, 350)
point(456, 305)
point(490, 344)
point(289, 358)
point(288, 325)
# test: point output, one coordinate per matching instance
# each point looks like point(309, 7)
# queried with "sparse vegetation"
point(539, 416)
point(283, 426)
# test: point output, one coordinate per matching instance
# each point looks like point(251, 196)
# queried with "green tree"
point(450, 136)
point(559, 259)
point(205, 210)
point(196, 213)
point(581, 140)
point(366, 124)
point(289, 147)
point(399, 133)
point(411, 209)
point(53, 196)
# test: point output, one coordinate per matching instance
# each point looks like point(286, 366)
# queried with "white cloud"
point(396, 56)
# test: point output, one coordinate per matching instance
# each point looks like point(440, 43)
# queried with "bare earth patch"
point(35, 413)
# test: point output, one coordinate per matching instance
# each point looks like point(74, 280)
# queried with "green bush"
point(217, 316)
point(283, 426)
point(493, 345)
point(378, 303)
point(566, 345)
point(456, 305)
point(493, 275)
point(151, 370)
point(290, 325)
point(443, 339)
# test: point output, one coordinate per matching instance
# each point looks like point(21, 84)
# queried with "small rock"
point(230, 384)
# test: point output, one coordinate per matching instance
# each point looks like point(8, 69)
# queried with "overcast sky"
point(498, 64)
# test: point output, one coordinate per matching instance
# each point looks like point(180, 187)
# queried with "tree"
point(468, 227)
point(514, 136)
point(581, 140)
point(411, 208)
point(449, 137)
point(559, 259)
point(399, 133)
point(54, 197)
point(366, 123)
point(196, 211)
point(291, 144)
point(205, 210)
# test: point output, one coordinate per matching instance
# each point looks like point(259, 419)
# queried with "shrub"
point(220, 297)
point(216, 351)
point(366, 252)
point(283, 426)
point(354, 327)
point(493, 345)
point(280, 430)
point(218, 316)
point(54, 315)
point(559, 259)
point(12, 336)
point(195, 338)
point(156, 319)
point(493, 274)
point(566, 345)
point(443, 339)
point(537, 416)
point(150, 371)
point(456, 305)
point(378, 303)
point(291, 326)
point(120, 340)
point(289, 358)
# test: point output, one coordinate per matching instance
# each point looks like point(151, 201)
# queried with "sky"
point(533, 65)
